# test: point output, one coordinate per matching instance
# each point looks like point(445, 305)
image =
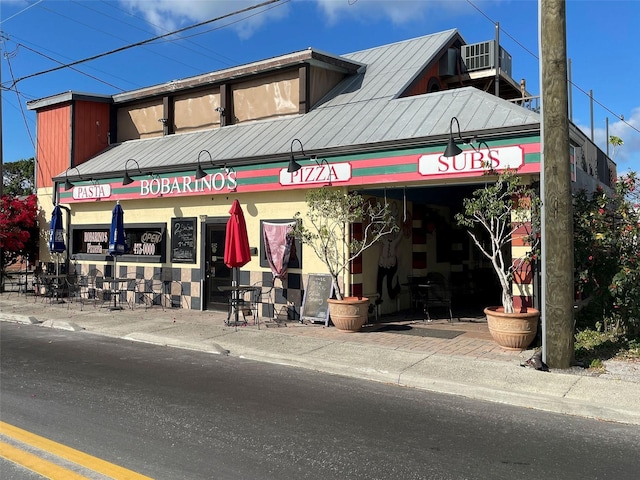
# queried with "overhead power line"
point(144, 42)
point(71, 67)
point(618, 116)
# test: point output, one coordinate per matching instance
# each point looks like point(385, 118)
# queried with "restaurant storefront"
point(175, 223)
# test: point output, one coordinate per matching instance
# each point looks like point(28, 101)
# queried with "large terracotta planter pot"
point(349, 314)
point(512, 331)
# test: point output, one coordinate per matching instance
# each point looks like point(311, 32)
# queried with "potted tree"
point(330, 212)
point(506, 210)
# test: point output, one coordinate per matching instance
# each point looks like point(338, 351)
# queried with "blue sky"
point(38, 35)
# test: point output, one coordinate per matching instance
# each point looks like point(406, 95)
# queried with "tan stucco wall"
point(45, 207)
point(255, 206)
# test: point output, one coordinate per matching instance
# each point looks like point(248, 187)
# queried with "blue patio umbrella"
point(117, 241)
point(117, 245)
point(56, 230)
point(56, 238)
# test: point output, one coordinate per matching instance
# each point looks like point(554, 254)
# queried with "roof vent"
point(481, 56)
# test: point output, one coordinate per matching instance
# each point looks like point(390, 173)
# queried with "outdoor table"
point(54, 283)
point(23, 281)
point(236, 299)
point(115, 290)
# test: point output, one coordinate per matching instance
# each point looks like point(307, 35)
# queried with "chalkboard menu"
point(315, 307)
point(183, 240)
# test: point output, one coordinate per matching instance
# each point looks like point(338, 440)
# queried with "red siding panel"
point(91, 125)
point(54, 143)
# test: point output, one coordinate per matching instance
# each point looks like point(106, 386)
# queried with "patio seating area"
point(96, 290)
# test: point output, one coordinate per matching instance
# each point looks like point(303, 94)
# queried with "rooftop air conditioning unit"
point(481, 56)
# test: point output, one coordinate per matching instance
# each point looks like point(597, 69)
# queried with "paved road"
point(174, 413)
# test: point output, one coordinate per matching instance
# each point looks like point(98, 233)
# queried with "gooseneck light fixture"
point(452, 148)
point(67, 183)
point(126, 180)
point(200, 173)
point(293, 165)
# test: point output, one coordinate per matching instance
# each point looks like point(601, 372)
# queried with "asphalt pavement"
point(456, 358)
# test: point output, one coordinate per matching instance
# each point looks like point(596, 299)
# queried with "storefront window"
point(145, 242)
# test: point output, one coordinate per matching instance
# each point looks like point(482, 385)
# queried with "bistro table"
point(19, 280)
point(237, 302)
point(115, 291)
point(54, 284)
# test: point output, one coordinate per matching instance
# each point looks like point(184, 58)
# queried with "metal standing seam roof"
point(361, 110)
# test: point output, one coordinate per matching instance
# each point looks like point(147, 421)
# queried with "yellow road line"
point(37, 464)
point(68, 453)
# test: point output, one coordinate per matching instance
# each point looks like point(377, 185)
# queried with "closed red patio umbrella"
point(236, 240)
point(236, 246)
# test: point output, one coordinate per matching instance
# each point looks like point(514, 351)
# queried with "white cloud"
point(398, 11)
point(627, 157)
point(169, 15)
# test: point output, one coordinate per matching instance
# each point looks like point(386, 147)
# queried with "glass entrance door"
point(216, 272)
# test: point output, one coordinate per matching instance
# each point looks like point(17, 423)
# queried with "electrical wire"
point(54, 12)
point(21, 11)
point(604, 107)
point(23, 114)
point(143, 42)
point(216, 55)
point(20, 42)
point(72, 68)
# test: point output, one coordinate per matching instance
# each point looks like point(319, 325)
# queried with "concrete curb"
point(175, 343)
point(12, 317)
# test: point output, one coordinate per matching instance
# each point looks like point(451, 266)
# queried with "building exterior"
point(375, 121)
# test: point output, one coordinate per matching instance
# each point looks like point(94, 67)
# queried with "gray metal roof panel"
point(359, 111)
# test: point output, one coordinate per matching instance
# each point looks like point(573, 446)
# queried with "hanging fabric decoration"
point(277, 244)
point(404, 204)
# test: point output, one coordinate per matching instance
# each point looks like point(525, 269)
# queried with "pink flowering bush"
point(607, 257)
point(18, 235)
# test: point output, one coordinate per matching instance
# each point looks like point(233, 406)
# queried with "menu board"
point(315, 307)
point(183, 240)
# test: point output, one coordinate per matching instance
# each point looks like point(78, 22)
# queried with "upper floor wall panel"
point(258, 99)
point(53, 151)
point(140, 120)
point(196, 111)
point(90, 129)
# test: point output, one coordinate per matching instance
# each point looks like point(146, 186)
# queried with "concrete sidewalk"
point(456, 358)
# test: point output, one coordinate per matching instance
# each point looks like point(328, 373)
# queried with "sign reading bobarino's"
point(154, 187)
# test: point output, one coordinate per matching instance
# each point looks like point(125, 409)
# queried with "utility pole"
point(1, 178)
point(557, 210)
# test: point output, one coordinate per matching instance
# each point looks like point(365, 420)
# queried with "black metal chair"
point(174, 294)
point(262, 300)
point(77, 286)
point(95, 290)
point(129, 293)
point(438, 294)
point(149, 292)
point(417, 291)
